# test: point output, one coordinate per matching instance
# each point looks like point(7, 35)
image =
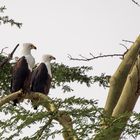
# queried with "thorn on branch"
point(135, 2)
point(91, 54)
point(83, 57)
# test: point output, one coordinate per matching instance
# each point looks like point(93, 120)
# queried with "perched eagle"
point(21, 73)
point(41, 76)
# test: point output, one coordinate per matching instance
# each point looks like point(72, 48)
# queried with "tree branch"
point(119, 78)
point(2, 9)
point(94, 57)
point(5, 19)
point(61, 116)
point(2, 50)
point(6, 60)
point(136, 2)
point(128, 41)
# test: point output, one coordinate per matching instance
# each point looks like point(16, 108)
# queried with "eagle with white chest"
point(42, 76)
point(21, 73)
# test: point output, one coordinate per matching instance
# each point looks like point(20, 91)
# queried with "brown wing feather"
point(41, 81)
point(20, 76)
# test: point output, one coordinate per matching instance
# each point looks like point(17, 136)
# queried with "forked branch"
point(83, 58)
point(136, 2)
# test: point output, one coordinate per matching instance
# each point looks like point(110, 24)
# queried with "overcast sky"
point(62, 27)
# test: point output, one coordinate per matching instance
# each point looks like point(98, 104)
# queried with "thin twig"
point(94, 57)
point(43, 128)
point(128, 41)
point(2, 9)
point(124, 46)
point(3, 50)
point(136, 2)
point(7, 59)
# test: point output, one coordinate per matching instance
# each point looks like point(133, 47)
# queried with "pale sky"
point(62, 27)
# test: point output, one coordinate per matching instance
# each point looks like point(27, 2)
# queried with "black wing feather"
point(40, 79)
point(20, 75)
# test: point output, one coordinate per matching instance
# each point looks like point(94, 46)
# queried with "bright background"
point(62, 27)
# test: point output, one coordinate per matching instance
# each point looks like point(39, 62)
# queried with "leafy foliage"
point(63, 74)
point(5, 76)
point(6, 19)
point(103, 80)
point(86, 117)
point(131, 129)
point(85, 114)
point(82, 111)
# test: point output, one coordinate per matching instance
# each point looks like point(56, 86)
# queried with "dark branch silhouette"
point(94, 57)
point(3, 50)
point(127, 41)
point(6, 19)
point(2, 9)
point(136, 2)
point(7, 59)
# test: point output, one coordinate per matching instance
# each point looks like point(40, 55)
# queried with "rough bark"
point(123, 94)
point(125, 104)
point(128, 98)
point(119, 78)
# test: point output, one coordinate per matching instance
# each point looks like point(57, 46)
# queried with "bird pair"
point(27, 79)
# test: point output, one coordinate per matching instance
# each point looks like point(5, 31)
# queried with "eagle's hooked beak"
point(34, 47)
point(53, 58)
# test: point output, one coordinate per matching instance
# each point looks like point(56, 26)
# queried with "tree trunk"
point(123, 94)
point(119, 78)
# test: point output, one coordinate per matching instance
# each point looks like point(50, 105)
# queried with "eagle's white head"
point(26, 49)
point(47, 58)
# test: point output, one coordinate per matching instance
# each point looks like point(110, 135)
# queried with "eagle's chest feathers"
point(30, 61)
point(48, 65)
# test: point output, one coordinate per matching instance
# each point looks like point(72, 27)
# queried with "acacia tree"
point(79, 118)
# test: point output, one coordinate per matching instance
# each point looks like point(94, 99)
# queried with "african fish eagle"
point(21, 73)
point(42, 76)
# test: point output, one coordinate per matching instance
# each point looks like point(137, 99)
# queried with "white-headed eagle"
point(21, 73)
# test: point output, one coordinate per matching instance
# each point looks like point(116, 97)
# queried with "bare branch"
point(124, 46)
point(6, 19)
point(128, 41)
point(6, 60)
point(136, 2)
point(94, 57)
point(2, 50)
